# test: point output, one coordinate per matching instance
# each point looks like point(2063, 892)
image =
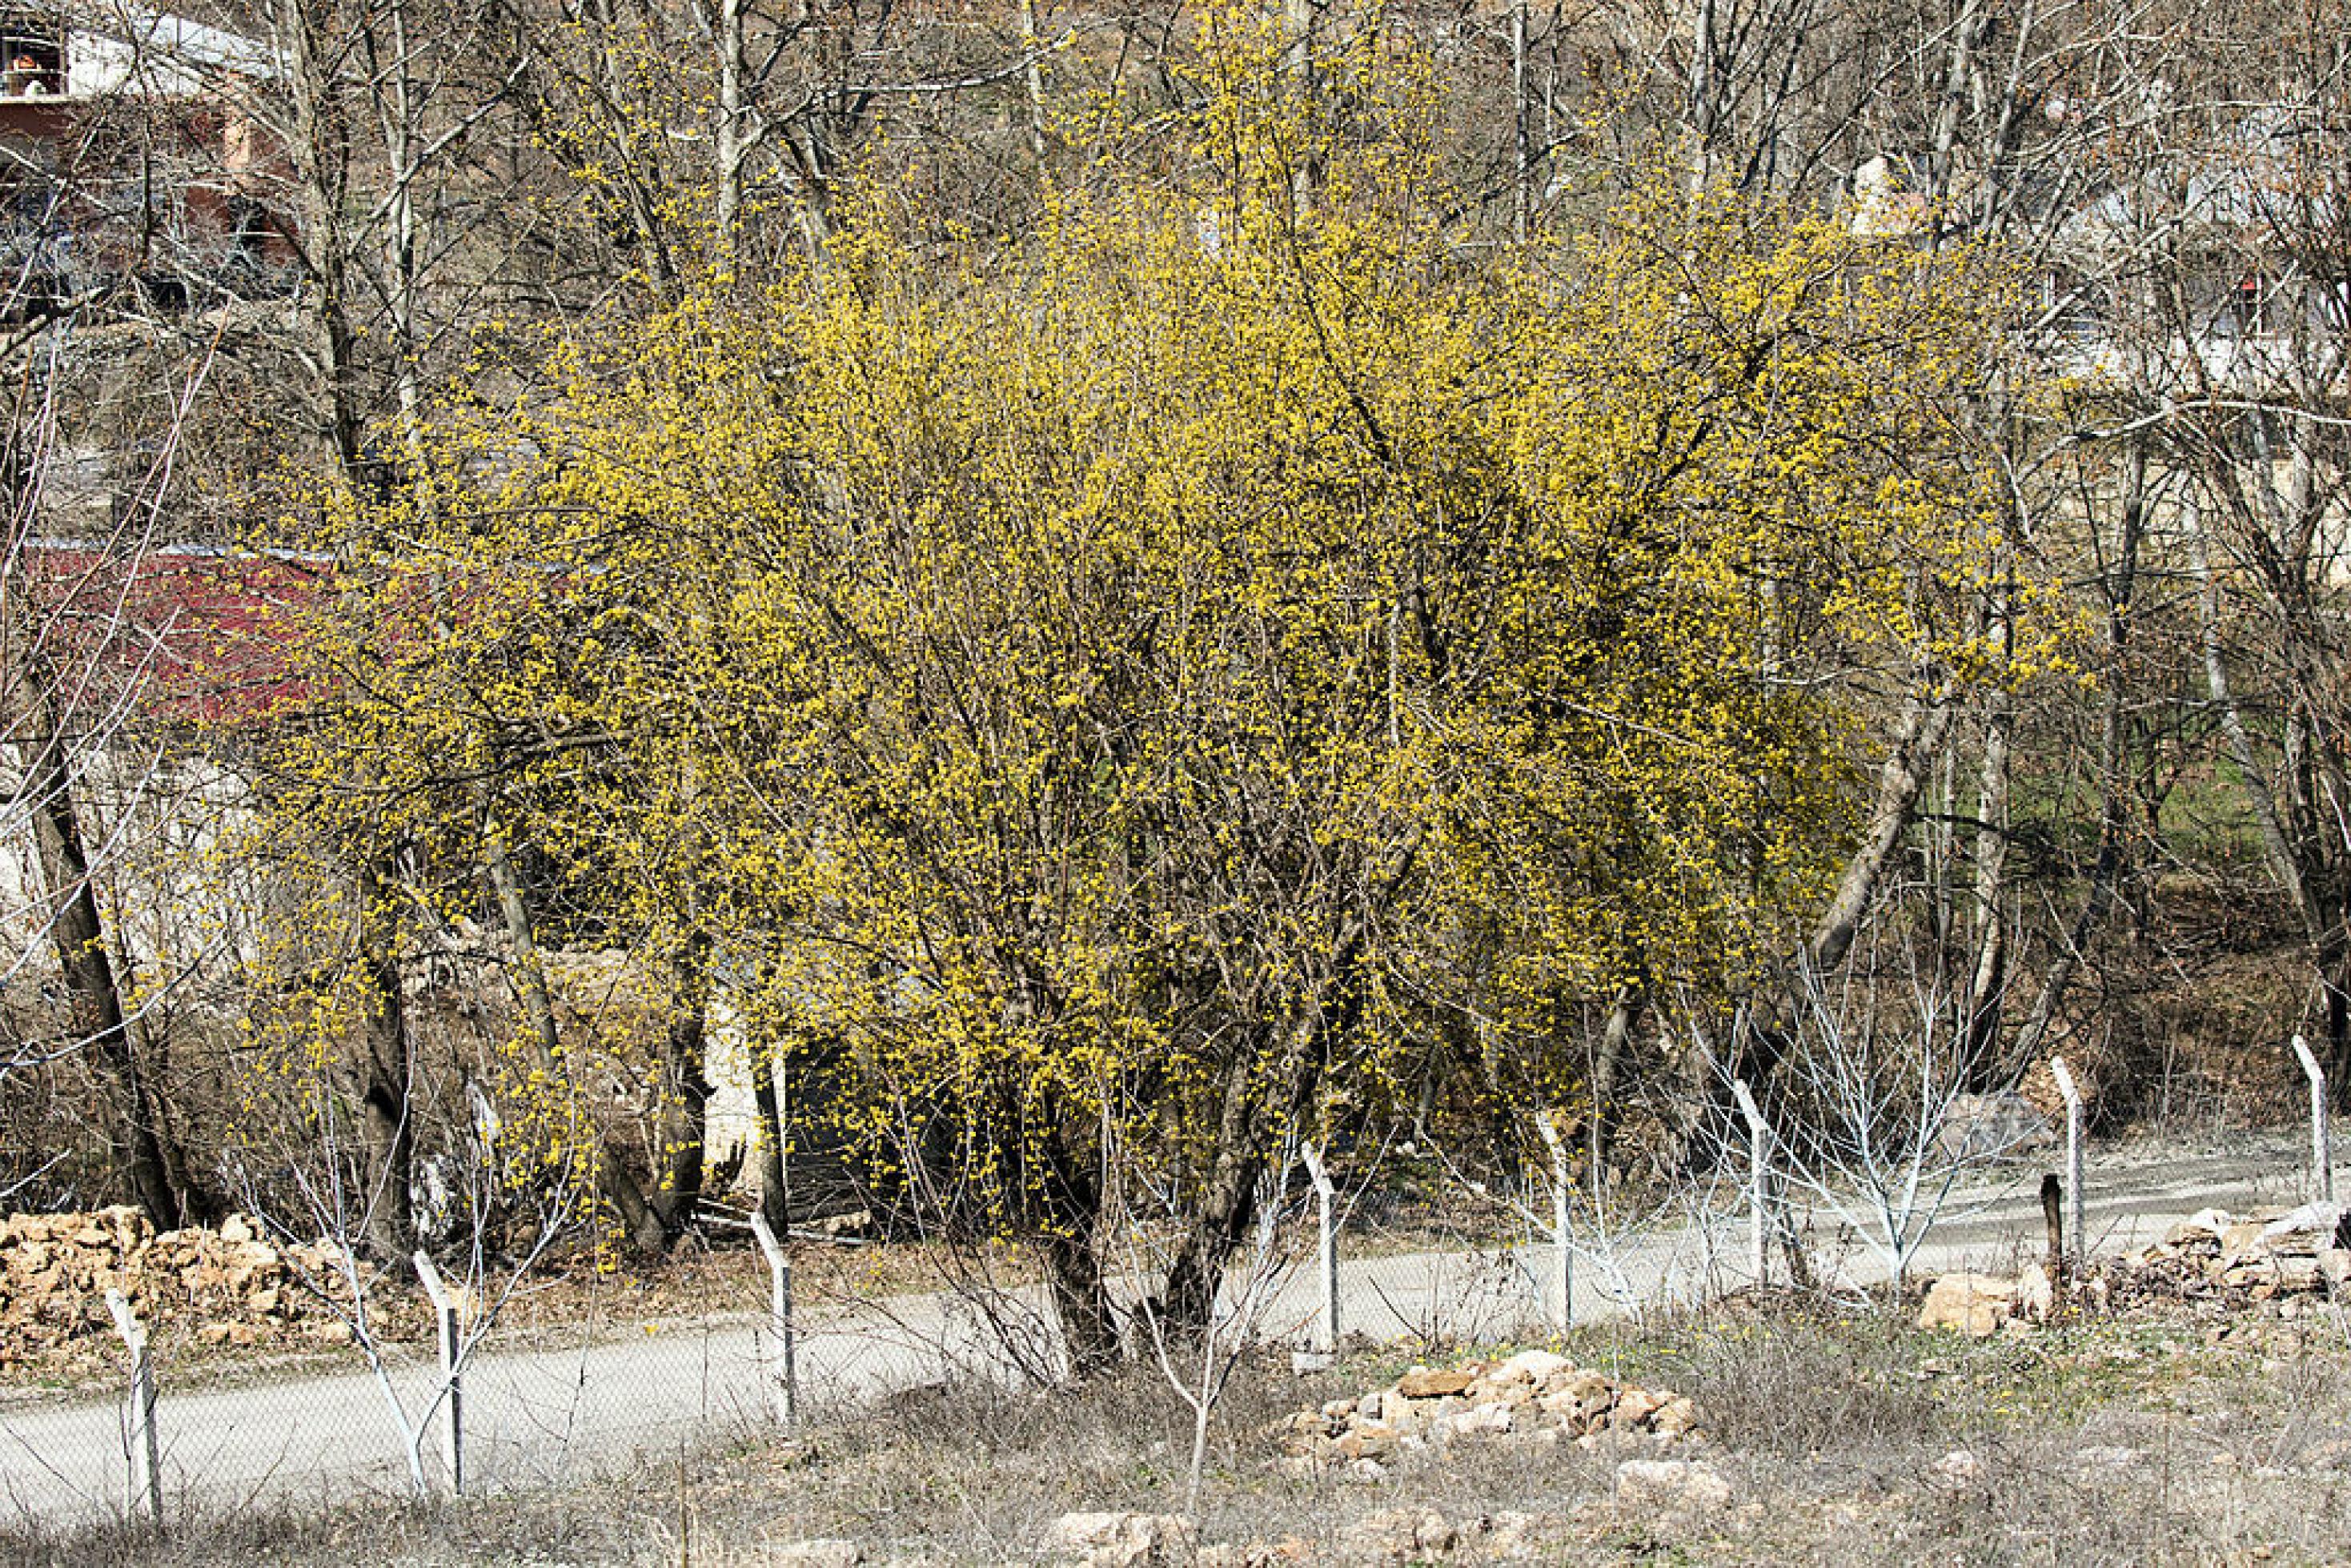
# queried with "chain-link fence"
point(539, 1397)
point(552, 1391)
point(559, 1380)
point(549, 1397)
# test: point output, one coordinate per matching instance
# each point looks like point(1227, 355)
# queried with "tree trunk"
point(615, 1182)
point(1073, 1267)
point(1624, 1017)
point(2275, 847)
point(153, 1167)
point(2113, 781)
point(401, 261)
point(732, 126)
point(1521, 155)
point(1032, 79)
point(1958, 75)
point(768, 1091)
point(683, 1116)
point(1899, 780)
point(1218, 1226)
point(1987, 977)
point(1702, 110)
point(1227, 1204)
point(1765, 1033)
point(89, 969)
point(1251, 1111)
point(385, 1073)
point(1081, 1305)
point(321, 150)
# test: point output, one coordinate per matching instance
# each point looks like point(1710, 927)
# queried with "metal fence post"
point(1327, 1250)
point(1758, 1166)
point(1563, 1262)
point(453, 1414)
point(146, 1452)
point(2081, 1243)
point(2322, 1158)
point(783, 1384)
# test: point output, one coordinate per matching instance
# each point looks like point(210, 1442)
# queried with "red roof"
point(179, 633)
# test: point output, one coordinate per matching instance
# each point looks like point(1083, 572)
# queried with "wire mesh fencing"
point(557, 1378)
point(452, 1388)
point(555, 1386)
point(1436, 1258)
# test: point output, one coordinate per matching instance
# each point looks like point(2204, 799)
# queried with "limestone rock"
point(2262, 1257)
point(1580, 1394)
point(1958, 1467)
point(1634, 1406)
point(1398, 1535)
point(1516, 1537)
point(1671, 1486)
point(1984, 1127)
point(2036, 1294)
point(2205, 1225)
point(1122, 1540)
point(1256, 1555)
point(1535, 1399)
point(2319, 1221)
point(225, 1287)
point(2242, 1237)
point(1420, 1383)
point(1971, 1305)
point(1529, 1366)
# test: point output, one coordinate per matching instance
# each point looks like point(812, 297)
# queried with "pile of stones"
point(2273, 1260)
point(1533, 1396)
point(1979, 1305)
point(2268, 1254)
point(228, 1286)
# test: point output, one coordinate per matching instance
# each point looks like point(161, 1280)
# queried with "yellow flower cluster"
point(1132, 687)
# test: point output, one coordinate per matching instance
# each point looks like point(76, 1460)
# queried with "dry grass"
point(1830, 1429)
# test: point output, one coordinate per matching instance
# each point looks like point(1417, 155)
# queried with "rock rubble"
point(2267, 1255)
point(1533, 1396)
point(2231, 1262)
point(1978, 1305)
point(229, 1286)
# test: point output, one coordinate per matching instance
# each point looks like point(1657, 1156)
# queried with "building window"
point(34, 56)
point(2245, 303)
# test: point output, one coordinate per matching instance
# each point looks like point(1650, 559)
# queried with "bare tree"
point(75, 677)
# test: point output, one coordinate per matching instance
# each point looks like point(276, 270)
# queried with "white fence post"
point(2073, 1162)
point(1563, 1263)
point(2322, 1158)
point(784, 1385)
point(1758, 1167)
point(146, 1453)
point(1327, 1250)
point(452, 1415)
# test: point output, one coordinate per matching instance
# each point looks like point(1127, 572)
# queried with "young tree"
point(1128, 689)
point(76, 670)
